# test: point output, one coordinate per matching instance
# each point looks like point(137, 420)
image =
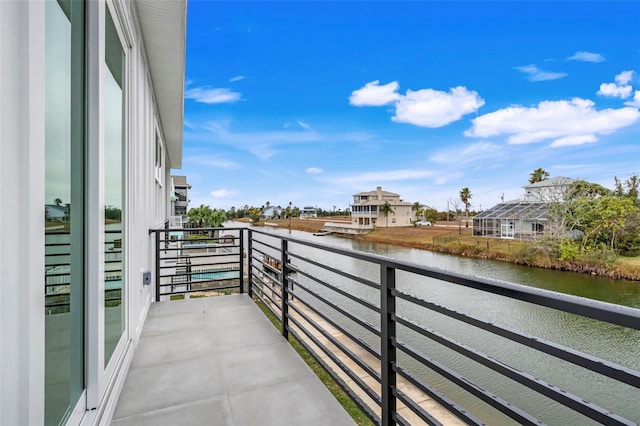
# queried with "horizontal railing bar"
point(364, 407)
point(184, 266)
point(162, 230)
point(608, 312)
point(366, 367)
point(375, 397)
point(265, 244)
point(371, 328)
point(590, 362)
point(565, 398)
point(358, 300)
point(55, 265)
point(273, 301)
point(182, 256)
point(488, 397)
point(356, 278)
point(199, 290)
point(56, 254)
point(196, 265)
point(417, 409)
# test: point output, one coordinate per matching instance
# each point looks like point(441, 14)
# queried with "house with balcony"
point(525, 217)
point(179, 196)
point(365, 210)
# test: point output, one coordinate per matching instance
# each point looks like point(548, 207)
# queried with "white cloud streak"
point(314, 170)
point(425, 107)
point(587, 57)
point(373, 179)
point(212, 161)
point(223, 193)
point(565, 123)
point(535, 74)
point(237, 78)
point(212, 95)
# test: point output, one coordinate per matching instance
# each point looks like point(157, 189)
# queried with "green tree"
point(465, 197)
point(417, 208)
point(385, 209)
point(430, 214)
point(197, 215)
point(538, 175)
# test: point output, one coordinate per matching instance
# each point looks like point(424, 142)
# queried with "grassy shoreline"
point(453, 239)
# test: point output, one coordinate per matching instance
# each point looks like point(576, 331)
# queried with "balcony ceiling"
point(163, 25)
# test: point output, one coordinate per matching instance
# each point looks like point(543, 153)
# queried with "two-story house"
point(367, 209)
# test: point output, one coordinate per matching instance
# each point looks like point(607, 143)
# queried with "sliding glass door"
point(64, 208)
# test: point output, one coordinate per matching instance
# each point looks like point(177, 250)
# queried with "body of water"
point(612, 343)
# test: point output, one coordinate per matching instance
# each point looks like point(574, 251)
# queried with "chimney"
point(379, 192)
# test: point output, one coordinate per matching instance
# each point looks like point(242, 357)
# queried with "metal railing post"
point(249, 263)
point(284, 289)
point(157, 234)
point(387, 349)
point(241, 260)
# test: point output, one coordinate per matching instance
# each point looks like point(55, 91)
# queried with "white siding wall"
point(22, 163)
point(21, 213)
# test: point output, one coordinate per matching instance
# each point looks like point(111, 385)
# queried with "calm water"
point(612, 343)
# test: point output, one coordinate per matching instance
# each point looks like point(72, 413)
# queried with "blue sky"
point(312, 102)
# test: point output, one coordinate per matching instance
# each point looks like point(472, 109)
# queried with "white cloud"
point(237, 78)
point(303, 125)
point(536, 74)
point(265, 144)
point(373, 179)
point(372, 94)
point(425, 107)
point(574, 140)
point(615, 91)
point(624, 77)
point(587, 57)
point(635, 103)
point(212, 161)
point(563, 122)
point(223, 193)
point(434, 108)
point(478, 151)
point(212, 96)
point(314, 170)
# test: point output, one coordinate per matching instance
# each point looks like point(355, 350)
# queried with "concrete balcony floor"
point(219, 361)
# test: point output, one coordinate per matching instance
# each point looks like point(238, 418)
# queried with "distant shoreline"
point(451, 238)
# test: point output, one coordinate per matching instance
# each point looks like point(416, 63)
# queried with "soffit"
point(163, 24)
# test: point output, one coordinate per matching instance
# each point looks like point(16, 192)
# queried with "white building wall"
point(22, 164)
point(21, 213)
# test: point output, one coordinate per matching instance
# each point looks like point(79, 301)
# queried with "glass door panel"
point(114, 286)
point(63, 208)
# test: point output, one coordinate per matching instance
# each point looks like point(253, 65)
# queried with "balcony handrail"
point(289, 298)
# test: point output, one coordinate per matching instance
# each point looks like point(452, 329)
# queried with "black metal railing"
point(392, 339)
point(198, 260)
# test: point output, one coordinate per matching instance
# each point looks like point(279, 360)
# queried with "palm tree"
point(197, 215)
point(465, 197)
point(417, 207)
point(385, 209)
point(538, 175)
